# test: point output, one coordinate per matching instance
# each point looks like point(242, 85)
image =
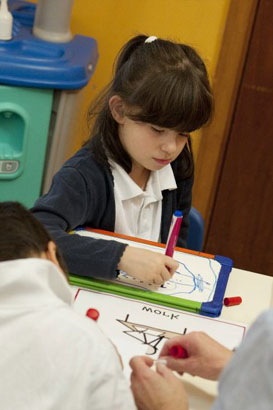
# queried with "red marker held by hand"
point(178, 352)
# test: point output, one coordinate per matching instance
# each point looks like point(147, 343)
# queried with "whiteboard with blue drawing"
point(198, 285)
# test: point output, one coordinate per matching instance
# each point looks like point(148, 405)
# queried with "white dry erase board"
point(198, 285)
point(141, 328)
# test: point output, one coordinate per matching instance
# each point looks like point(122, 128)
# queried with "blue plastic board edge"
point(224, 260)
point(214, 308)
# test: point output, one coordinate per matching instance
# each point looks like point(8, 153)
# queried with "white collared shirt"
point(51, 356)
point(138, 212)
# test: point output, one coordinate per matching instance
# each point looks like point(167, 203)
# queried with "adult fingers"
point(178, 340)
point(163, 370)
point(140, 363)
point(178, 365)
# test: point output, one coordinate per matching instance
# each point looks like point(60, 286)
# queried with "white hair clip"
point(150, 39)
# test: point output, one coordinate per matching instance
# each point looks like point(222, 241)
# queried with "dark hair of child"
point(22, 235)
point(162, 83)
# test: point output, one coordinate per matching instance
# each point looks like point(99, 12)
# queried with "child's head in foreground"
point(23, 236)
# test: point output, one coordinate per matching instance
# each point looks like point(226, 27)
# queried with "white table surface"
point(257, 296)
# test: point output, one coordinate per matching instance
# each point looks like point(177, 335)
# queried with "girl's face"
point(150, 147)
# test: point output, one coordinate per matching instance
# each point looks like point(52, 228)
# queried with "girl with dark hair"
point(137, 167)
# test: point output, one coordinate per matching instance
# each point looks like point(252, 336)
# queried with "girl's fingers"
point(165, 274)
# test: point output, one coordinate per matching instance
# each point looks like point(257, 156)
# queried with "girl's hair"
point(162, 83)
point(22, 235)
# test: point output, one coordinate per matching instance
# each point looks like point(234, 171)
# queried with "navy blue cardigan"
point(82, 193)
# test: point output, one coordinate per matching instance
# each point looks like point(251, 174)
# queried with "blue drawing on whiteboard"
point(187, 282)
point(190, 281)
point(195, 279)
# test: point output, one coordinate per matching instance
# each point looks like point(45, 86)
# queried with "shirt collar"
point(32, 282)
point(158, 182)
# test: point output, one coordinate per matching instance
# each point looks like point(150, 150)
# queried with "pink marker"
point(173, 233)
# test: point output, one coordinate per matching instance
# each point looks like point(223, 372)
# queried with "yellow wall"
point(199, 23)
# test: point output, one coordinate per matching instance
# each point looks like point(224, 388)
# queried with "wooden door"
point(241, 218)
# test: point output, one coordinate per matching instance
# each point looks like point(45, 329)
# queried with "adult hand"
point(156, 390)
point(146, 265)
point(206, 357)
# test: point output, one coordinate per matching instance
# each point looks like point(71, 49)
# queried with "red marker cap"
point(178, 352)
point(93, 314)
point(236, 300)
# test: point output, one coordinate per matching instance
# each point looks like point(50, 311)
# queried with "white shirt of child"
point(138, 212)
point(51, 356)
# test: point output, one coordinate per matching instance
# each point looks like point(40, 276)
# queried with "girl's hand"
point(156, 390)
point(206, 357)
point(148, 266)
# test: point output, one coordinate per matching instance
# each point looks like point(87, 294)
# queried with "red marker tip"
point(236, 300)
point(178, 352)
point(92, 314)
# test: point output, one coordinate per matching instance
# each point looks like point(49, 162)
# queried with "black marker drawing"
point(148, 335)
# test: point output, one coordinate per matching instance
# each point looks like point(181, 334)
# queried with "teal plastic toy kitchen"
point(24, 123)
point(40, 89)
